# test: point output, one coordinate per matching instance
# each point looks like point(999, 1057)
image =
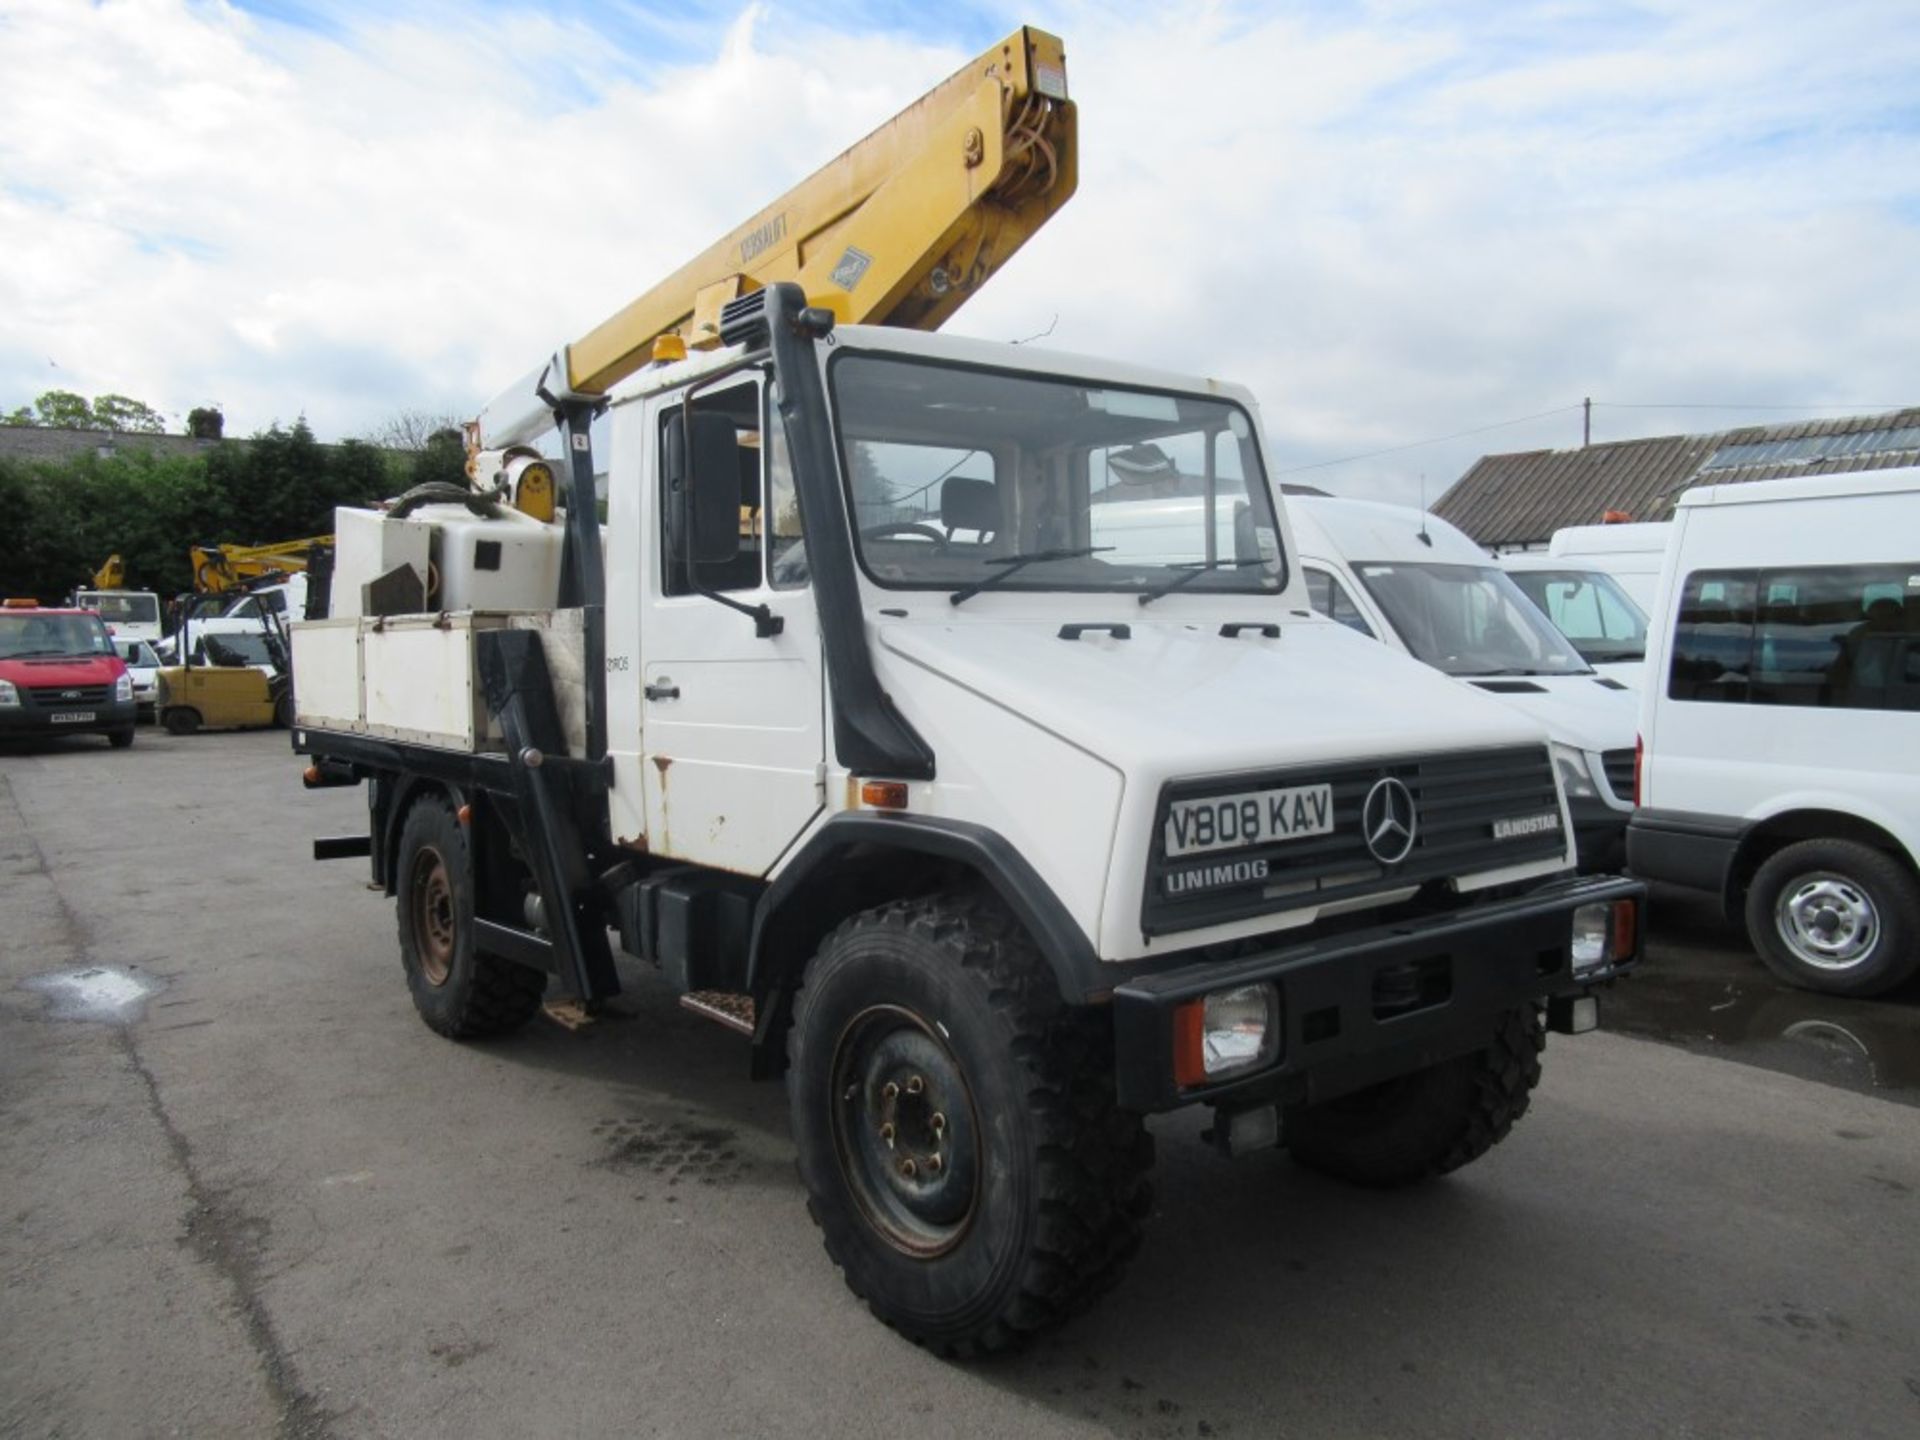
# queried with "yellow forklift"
point(227, 680)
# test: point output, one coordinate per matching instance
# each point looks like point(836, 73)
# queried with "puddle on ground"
point(1701, 987)
point(99, 992)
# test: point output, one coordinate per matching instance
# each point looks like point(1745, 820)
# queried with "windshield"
point(1590, 609)
point(965, 478)
point(46, 635)
point(1469, 620)
point(120, 609)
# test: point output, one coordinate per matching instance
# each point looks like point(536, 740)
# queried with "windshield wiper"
point(1195, 570)
point(1016, 563)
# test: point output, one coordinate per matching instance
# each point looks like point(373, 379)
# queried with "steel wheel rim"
point(1827, 920)
point(905, 1132)
point(433, 919)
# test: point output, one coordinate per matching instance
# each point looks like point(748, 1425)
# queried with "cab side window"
point(1330, 598)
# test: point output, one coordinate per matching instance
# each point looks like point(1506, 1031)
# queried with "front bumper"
point(34, 719)
point(1467, 966)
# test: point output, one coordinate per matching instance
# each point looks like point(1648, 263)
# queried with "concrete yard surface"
point(246, 1192)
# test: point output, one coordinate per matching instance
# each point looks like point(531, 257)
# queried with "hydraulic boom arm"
point(898, 230)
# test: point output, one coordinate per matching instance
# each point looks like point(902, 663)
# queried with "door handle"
point(662, 692)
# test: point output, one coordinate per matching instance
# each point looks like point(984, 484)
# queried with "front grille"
point(60, 697)
point(1458, 799)
point(1619, 767)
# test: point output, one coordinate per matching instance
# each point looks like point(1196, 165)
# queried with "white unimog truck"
point(907, 728)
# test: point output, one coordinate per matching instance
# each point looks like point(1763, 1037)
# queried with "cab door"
point(732, 730)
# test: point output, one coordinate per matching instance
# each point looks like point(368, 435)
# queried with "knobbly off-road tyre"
point(1418, 1126)
point(459, 992)
point(1042, 1187)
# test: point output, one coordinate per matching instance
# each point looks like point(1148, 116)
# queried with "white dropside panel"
point(420, 683)
point(415, 677)
point(326, 675)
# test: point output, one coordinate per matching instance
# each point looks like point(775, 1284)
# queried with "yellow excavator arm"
point(898, 230)
point(112, 575)
point(227, 567)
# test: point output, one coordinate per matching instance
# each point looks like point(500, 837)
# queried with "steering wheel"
point(906, 527)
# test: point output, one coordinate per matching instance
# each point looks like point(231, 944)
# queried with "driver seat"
point(970, 504)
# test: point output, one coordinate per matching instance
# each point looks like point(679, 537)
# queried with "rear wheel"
point(1836, 916)
point(1430, 1122)
point(957, 1130)
point(181, 720)
point(458, 991)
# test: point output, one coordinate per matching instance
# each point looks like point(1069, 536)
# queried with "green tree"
point(442, 461)
point(69, 410)
point(133, 417)
point(205, 422)
point(56, 409)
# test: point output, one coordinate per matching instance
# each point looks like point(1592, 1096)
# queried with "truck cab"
point(127, 614)
point(60, 675)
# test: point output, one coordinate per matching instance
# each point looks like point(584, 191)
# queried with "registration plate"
point(71, 717)
point(1252, 817)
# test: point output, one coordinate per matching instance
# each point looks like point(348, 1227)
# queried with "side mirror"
point(703, 487)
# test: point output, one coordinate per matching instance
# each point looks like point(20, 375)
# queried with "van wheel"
point(120, 739)
point(181, 720)
point(964, 1156)
point(458, 991)
point(1836, 916)
point(1433, 1121)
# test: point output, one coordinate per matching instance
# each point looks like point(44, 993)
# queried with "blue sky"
point(1394, 221)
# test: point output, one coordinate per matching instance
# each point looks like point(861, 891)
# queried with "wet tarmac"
point(1703, 988)
point(99, 993)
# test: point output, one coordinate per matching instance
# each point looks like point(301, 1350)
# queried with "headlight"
point(8, 695)
point(1225, 1033)
point(1576, 777)
point(123, 687)
point(1603, 934)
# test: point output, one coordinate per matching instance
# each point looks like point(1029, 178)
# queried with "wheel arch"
point(1766, 837)
point(398, 794)
point(854, 862)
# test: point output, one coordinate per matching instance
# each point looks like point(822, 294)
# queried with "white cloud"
point(1393, 223)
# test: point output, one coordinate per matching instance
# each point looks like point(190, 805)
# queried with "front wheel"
point(958, 1135)
point(1435, 1120)
point(181, 720)
point(1836, 916)
point(120, 739)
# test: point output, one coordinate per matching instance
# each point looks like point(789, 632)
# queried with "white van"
point(1588, 606)
point(1414, 581)
point(1781, 721)
point(1630, 552)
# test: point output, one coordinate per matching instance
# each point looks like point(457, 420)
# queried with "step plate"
point(733, 1011)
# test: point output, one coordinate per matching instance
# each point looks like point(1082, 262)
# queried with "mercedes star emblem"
point(1388, 822)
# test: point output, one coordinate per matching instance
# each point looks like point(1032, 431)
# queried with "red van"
point(59, 674)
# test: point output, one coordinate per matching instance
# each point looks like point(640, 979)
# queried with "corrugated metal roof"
point(1522, 498)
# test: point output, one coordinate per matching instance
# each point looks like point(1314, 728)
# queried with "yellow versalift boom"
point(898, 230)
